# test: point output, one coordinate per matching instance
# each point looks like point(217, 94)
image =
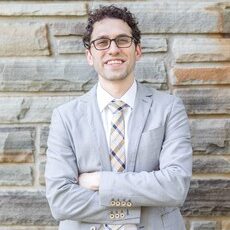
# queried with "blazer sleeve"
point(67, 200)
point(167, 186)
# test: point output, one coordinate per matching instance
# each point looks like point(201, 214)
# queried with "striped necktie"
point(117, 136)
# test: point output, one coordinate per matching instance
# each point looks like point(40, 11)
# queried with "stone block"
point(210, 136)
point(201, 75)
point(210, 164)
point(15, 175)
point(208, 198)
point(226, 19)
point(29, 109)
point(70, 46)
point(201, 49)
point(204, 225)
point(17, 144)
point(43, 9)
point(23, 39)
point(226, 225)
point(68, 28)
point(205, 100)
point(175, 17)
point(43, 139)
point(25, 208)
point(152, 45)
point(41, 173)
point(28, 228)
point(68, 75)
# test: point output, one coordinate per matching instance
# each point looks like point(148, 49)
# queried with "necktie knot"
point(117, 106)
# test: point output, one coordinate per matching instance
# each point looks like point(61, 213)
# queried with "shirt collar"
point(104, 98)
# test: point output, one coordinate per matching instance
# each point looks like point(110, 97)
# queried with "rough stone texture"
point(193, 76)
point(226, 225)
point(176, 17)
point(15, 175)
point(210, 136)
point(204, 225)
point(211, 164)
point(41, 173)
point(70, 46)
point(43, 9)
point(226, 20)
point(150, 44)
point(29, 109)
point(28, 228)
point(201, 49)
point(68, 75)
point(205, 100)
point(17, 144)
point(68, 28)
point(43, 139)
point(208, 198)
point(23, 39)
point(24, 208)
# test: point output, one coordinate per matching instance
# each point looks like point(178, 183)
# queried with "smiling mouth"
point(114, 62)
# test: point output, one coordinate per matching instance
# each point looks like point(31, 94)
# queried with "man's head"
point(111, 12)
point(112, 40)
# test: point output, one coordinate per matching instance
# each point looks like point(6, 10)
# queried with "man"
point(119, 157)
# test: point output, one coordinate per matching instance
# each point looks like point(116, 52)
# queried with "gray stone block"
point(151, 45)
point(201, 49)
point(43, 9)
point(208, 198)
point(70, 46)
point(43, 139)
point(23, 39)
point(204, 225)
point(17, 144)
point(210, 136)
point(41, 173)
point(15, 175)
point(24, 208)
point(205, 100)
point(68, 75)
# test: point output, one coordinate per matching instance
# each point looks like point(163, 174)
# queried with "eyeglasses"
point(104, 43)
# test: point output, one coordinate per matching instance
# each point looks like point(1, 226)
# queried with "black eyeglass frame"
point(110, 41)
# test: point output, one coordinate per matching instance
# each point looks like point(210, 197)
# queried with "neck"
point(116, 88)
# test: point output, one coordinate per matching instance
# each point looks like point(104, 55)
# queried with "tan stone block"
point(213, 75)
point(43, 9)
point(201, 49)
point(23, 39)
point(226, 225)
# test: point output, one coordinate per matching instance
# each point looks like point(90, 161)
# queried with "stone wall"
point(186, 46)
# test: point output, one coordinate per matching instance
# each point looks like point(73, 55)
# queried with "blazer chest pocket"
point(149, 149)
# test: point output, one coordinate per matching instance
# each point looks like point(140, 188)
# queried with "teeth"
point(114, 62)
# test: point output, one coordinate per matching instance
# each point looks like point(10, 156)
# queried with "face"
point(113, 64)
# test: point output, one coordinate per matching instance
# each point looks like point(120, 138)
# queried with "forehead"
point(110, 27)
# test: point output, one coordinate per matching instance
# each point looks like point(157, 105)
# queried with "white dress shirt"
point(103, 99)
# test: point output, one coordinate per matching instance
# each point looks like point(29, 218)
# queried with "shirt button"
point(111, 216)
point(93, 228)
point(129, 204)
point(117, 215)
point(122, 215)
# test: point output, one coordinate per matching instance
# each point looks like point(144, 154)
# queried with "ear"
point(138, 52)
point(89, 57)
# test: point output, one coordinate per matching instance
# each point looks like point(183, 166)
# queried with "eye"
point(102, 42)
point(123, 40)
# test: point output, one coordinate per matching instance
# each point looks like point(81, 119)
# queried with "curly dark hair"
point(111, 12)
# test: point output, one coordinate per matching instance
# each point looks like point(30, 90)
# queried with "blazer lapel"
point(137, 122)
point(97, 128)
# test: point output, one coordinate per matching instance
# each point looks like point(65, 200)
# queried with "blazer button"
point(111, 216)
point(129, 204)
point(118, 203)
point(113, 203)
point(123, 203)
point(122, 215)
point(93, 228)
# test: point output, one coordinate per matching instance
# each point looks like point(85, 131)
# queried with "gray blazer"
point(158, 168)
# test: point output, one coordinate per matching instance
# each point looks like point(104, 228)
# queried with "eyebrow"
point(107, 36)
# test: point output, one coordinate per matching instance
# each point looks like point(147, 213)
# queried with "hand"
point(90, 180)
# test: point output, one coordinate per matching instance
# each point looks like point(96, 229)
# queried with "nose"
point(113, 49)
